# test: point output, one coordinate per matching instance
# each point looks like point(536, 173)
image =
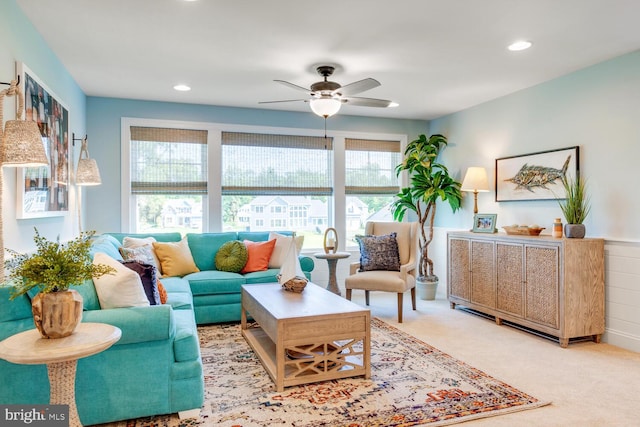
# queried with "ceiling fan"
point(326, 97)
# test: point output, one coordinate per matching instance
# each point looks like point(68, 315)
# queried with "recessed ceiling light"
point(519, 45)
point(182, 88)
point(394, 104)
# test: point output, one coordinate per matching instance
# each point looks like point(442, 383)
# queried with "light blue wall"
point(19, 41)
point(103, 126)
point(597, 108)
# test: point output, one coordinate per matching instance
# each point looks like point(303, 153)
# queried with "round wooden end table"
point(61, 356)
point(332, 261)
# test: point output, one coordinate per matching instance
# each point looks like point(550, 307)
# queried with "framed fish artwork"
point(536, 176)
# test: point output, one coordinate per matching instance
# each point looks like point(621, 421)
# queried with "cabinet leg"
point(452, 305)
point(564, 342)
point(498, 321)
point(596, 338)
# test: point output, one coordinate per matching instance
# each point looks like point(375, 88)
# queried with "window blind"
point(270, 164)
point(168, 161)
point(370, 166)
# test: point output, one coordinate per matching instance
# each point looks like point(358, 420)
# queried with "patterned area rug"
point(411, 384)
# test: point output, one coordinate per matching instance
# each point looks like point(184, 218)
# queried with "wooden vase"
point(57, 314)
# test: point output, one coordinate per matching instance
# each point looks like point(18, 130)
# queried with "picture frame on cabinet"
point(536, 176)
point(484, 223)
point(44, 191)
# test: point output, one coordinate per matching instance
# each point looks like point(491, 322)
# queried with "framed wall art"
point(535, 176)
point(484, 223)
point(44, 191)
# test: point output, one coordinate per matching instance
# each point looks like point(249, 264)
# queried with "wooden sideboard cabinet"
point(551, 285)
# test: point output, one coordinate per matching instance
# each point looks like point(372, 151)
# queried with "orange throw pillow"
point(259, 255)
point(163, 293)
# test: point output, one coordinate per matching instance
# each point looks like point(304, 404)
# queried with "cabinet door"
point(483, 273)
point(541, 284)
point(510, 278)
point(459, 282)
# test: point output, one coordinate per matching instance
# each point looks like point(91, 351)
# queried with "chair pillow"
point(259, 254)
point(231, 257)
point(175, 258)
point(379, 252)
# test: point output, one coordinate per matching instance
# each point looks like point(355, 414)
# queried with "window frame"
point(212, 201)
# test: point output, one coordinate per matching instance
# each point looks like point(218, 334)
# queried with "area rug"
point(412, 384)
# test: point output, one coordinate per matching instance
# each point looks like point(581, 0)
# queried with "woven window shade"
point(266, 164)
point(168, 161)
point(370, 166)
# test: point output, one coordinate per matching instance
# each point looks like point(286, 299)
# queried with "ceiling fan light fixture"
point(325, 106)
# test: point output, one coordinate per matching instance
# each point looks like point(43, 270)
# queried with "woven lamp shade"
point(88, 172)
point(22, 144)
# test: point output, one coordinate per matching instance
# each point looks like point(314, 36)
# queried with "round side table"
point(332, 261)
point(61, 356)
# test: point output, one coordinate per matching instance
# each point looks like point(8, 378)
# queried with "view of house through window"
point(268, 182)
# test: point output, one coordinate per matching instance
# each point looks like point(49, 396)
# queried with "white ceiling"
point(433, 57)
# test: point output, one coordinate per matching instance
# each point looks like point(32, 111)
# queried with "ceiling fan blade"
point(367, 102)
point(357, 87)
point(284, 100)
point(296, 87)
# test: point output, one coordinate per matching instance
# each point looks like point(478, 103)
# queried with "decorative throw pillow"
point(175, 258)
point(162, 292)
point(142, 254)
point(379, 252)
point(136, 242)
point(232, 256)
point(120, 289)
point(259, 254)
point(147, 273)
point(281, 248)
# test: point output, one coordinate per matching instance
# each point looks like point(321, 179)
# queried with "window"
point(168, 178)
point(370, 182)
point(283, 182)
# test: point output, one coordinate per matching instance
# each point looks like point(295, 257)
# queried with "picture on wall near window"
point(484, 223)
point(536, 176)
point(44, 191)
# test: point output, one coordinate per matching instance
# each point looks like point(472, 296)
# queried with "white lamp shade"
point(325, 106)
point(88, 172)
point(475, 180)
point(22, 145)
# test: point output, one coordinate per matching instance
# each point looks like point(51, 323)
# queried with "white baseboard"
point(621, 339)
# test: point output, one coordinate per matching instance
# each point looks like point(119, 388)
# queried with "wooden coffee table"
point(306, 337)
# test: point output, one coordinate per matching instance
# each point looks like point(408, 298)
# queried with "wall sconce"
point(21, 146)
point(475, 180)
point(87, 173)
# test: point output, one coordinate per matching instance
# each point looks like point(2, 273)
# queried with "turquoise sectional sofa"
point(156, 367)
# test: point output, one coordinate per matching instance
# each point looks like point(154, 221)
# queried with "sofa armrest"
point(138, 324)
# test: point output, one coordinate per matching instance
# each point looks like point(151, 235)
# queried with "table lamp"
point(475, 180)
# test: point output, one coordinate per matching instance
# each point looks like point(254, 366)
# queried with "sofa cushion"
point(232, 256)
point(180, 300)
point(162, 293)
point(90, 299)
point(204, 247)
point(281, 249)
point(106, 244)
point(175, 258)
point(147, 273)
point(120, 289)
point(176, 284)
point(215, 282)
point(259, 254)
point(265, 276)
point(185, 343)
point(143, 253)
point(19, 308)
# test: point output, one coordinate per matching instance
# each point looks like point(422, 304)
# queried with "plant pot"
point(57, 314)
point(427, 288)
point(575, 231)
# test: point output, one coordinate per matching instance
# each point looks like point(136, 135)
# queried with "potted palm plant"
point(428, 182)
point(575, 207)
point(52, 269)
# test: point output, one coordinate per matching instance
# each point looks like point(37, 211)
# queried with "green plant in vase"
point(53, 268)
point(575, 206)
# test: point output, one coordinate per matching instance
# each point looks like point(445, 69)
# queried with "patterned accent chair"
point(389, 281)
